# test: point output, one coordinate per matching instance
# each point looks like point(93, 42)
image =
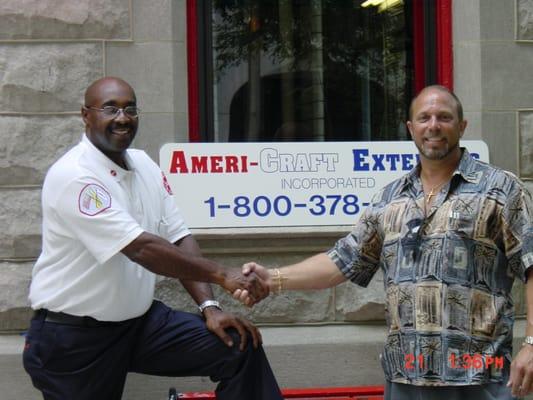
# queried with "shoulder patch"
point(166, 184)
point(93, 199)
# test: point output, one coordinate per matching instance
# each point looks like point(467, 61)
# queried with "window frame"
point(432, 54)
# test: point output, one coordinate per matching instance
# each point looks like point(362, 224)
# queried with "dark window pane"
point(310, 70)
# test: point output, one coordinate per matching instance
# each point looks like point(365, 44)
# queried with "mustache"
point(119, 126)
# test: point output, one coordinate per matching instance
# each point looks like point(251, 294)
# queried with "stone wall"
point(275, 247)
point(493, 55)
point(50, 51)
point(524, 36)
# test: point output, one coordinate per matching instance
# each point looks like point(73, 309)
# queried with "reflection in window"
point(310, 70)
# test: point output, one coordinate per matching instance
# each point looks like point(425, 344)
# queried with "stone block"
point(497, 19)
point(153, 20)
point(271, 250)
point(525, 120)
point(524, 9)
point(47, 77)
point(64, 19)
point(20, 219)
point(149, 68)
point(356, 303)
point(270, 246)
point(14, 306)
point(30, 144)
point(505, 68)
point(181, 123)
point(293, 307)
point(474, 129)
point(288, 307)
point(500, 134)
point(179, 26)
point(467, 74)
point(466, 24)
point(181, 77)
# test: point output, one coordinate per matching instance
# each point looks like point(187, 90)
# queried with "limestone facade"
point(50, 50)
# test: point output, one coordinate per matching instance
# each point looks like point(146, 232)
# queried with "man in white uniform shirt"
point(110, 224)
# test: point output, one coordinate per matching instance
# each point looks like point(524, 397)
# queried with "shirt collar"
point(466, 169)
point(104, 163)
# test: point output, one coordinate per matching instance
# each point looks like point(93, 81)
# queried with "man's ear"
point(85, 115)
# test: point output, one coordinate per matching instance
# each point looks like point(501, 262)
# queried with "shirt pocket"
point(460, 223)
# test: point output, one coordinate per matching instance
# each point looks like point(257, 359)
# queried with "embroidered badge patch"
point(166, 184)
point(93, 199)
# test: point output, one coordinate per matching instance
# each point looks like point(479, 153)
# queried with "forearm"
point(317, 272)
point(529, 303)
point(199, 291)
point(164, 258)
point(521, 375)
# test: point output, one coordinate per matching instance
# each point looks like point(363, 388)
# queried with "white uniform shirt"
point(92, 209)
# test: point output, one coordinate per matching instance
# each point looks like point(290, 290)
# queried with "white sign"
point(284, 184)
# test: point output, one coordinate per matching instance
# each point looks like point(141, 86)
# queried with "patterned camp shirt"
point(447, 276)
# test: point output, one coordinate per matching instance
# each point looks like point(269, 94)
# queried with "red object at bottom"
point(343, 393)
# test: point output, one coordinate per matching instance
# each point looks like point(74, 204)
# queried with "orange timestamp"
point(465, 361)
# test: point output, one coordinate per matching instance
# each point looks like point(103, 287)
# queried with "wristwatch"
point(209, 303)
point(528, 340)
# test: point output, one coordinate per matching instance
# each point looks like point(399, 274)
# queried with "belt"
point(68, 319)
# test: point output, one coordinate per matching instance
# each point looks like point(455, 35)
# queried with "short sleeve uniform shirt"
point(92, 209)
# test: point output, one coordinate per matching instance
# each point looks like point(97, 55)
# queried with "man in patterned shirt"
point(450, 237)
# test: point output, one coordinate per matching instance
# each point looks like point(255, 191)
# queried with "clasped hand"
point(246, 285)
point(244, 295)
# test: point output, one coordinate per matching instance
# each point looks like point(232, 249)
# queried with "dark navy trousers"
point(91, 362)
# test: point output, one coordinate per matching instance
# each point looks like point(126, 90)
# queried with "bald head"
point(443, 89)
point(101, 88)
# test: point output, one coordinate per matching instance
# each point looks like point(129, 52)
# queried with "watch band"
point(209, 303)
point(528, 340)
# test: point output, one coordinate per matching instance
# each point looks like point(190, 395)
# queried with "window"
point(307, 70)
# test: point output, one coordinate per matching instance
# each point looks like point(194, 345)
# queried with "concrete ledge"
point(304, 356)
point(338, 355)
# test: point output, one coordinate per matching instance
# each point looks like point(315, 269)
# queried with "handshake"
point(249, 285)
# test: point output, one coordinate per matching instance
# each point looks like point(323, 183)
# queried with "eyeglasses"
point(112, 111)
